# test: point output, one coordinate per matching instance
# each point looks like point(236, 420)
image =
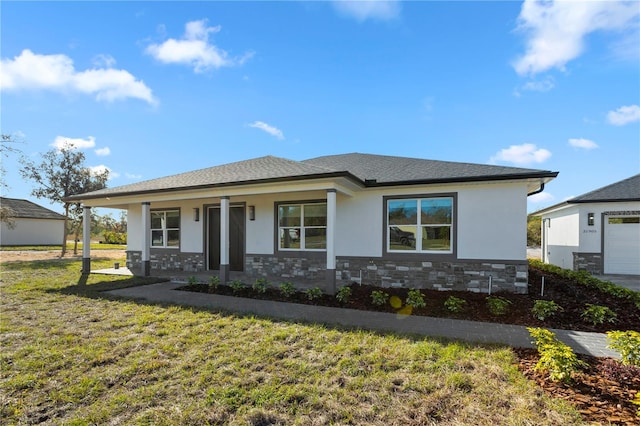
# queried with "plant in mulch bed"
point(596, 314)
point(214, 282)
point(415, 299)
point(628, 344)
point(236, 286)
point(192, 280)
point(543, 309)
point(261, 285)
point(343, 294)
point(287, 289)
point(314, 293)
point(498, 305)
point(379, 298)
point(556, 358)
point(454, 304)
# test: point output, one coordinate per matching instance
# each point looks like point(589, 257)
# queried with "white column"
point(86, 239)
point(331, 232)
point(146, 239)
point(224, 239)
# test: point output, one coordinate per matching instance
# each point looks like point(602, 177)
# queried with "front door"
point(236, 238)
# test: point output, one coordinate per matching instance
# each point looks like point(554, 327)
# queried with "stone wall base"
point(168, 260)
point(590, 262)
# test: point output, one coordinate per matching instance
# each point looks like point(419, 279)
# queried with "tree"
point(62, 173)
point(7, 147)
point(533, 231)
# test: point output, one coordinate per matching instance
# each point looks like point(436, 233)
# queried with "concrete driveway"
point(629, 281)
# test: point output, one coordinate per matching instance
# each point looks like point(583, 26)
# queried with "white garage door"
point(622, 245)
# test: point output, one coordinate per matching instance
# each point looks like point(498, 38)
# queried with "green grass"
point(71, 355)
point(94, 246)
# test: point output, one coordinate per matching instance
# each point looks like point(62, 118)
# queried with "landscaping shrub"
point(192, 280)
point(498, 305)
point(236, 285)
point(556, 358)
point(343, 294)
point(597, 314)
point(314, 293)
point(415, 298)
point(586, 279)
point(379, 298)
point(261, 285)
point(111, 237)
point(287, 289)
point(628, 344)
point(454, 304)
point(543, 309)
point(214, 282)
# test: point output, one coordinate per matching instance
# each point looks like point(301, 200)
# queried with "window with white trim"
point(302, 226)
point(420, 225)
point(165, 228)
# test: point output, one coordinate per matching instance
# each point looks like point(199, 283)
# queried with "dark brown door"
point(236, 238)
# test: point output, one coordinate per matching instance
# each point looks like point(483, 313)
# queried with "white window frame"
point(302, 227)
point(419, 226)
point(165, 230)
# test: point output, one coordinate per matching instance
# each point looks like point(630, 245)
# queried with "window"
point(165, 228)
point(422, 225)
point(623, 220)
point(302, 226)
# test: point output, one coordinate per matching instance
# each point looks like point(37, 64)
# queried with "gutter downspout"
point(537, 191)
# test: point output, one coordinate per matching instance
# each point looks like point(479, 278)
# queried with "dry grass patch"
point(72, 356)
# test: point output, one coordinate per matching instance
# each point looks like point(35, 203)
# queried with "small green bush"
point(343, 294)
point(287, 289)
point(596, 314)
point(415, 298)
point(454, 304)
point(261, 285)
point(314, 293)
point(556, 358)
point(236, 285)
point(192, 280)
point(214, 282)
point(498, 305)
point(111, 237)
point(543, 309)
point(636, 401)
point(379, 298)
point(628, 344)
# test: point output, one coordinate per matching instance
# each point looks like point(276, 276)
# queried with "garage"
point(622, 245)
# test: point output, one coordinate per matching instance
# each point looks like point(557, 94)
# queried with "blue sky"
point(149, 89)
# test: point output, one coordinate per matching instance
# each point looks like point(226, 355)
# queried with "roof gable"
point(25, 209)
point(624, 190)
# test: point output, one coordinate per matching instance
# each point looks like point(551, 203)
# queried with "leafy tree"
point(62, 173)
point(533, 231)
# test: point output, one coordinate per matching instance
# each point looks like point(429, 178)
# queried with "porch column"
point(224, 239)
point(86, 240)
point(146, 239)
point(331, 232)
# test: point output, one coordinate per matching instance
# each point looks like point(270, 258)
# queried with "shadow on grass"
point(91, 286)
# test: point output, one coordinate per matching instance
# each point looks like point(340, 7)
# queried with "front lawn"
point(72, 356)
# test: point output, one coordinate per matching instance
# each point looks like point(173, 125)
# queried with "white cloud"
point(32, 71)
point(194, 49)
point(556, 30)
point(74, 143)
point(361, 10)
point(540, 85)
point(103, 152)
point(526, 153)
point(624, 115)
point(582, 143)
point(273, 131)
point(541, 197)
point(104, 61)
point(132, 176)
point(101, 169)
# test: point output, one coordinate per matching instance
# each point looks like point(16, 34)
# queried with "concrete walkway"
point(480, 332)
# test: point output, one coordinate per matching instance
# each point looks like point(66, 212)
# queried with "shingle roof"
point(388, 169)
point(25, 209)
point(624, 190)
point(365, 169)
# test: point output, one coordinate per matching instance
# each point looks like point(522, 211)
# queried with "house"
point(375, 219)
point(31, 224)
point(598, 231)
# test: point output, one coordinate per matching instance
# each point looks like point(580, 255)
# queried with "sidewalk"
point(481, 332)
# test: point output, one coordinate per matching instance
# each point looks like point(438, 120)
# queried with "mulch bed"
point(601, 391)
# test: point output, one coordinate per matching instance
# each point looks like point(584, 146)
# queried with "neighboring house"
point(598, 232)
point(332, 220)
point(31, 224)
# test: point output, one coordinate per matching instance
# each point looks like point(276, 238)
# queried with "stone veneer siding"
point(444, 276)
point(168, 260)
point(590, 262)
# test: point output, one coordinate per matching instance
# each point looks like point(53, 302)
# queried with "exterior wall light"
point(196, 214)
point(252, 212)
point(591, 219)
